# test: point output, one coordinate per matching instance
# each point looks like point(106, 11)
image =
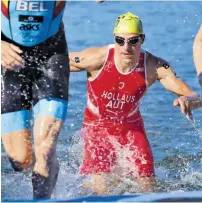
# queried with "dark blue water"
point(170, 28)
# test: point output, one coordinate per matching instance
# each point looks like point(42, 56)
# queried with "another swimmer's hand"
point(100, 1)
point(10, 55)
point(185, 107)
point(188, 103)
point(194, 101)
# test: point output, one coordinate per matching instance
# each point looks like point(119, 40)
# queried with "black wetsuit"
point(44, 75)
point(46, 70)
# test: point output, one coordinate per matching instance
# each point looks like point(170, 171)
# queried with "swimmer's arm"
point(89, 60)
point(188, 100)
point(163, 72)
point(197, 54)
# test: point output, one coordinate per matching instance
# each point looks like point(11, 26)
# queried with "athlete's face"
point(128, 47)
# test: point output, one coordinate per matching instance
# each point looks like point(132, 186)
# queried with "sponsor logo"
point(108, 66)
point(23, 5)
point(28, 37)
point(29, 27)
point(30, 19)
point(121, 85)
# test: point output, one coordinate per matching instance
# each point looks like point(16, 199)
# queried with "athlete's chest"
point(117, 94)
point(31, 7)
point(113, 82)
point(31, 22)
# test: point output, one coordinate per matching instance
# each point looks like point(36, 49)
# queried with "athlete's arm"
point(10, 55)
point(195, 101)
point(168, 78)
point(90, 59)
point(159, 69)
point(197, 54)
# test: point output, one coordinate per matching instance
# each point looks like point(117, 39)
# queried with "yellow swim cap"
point(128, 23)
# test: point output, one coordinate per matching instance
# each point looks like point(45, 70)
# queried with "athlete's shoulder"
point(200, 30)
point(151, 59)
point(150, 55)
point(155, 60)
point(199, 34)
point(95, 51)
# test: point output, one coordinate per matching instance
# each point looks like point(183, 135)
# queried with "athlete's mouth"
point(127, 54)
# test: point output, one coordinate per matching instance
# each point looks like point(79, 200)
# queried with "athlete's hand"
point(10, 55)
point(187, 104)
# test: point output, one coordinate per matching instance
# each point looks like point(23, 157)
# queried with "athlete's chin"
point(127, 59)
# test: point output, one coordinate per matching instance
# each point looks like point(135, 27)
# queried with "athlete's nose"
point(126, 46)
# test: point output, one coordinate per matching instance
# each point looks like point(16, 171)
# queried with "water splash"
point(198, 130)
